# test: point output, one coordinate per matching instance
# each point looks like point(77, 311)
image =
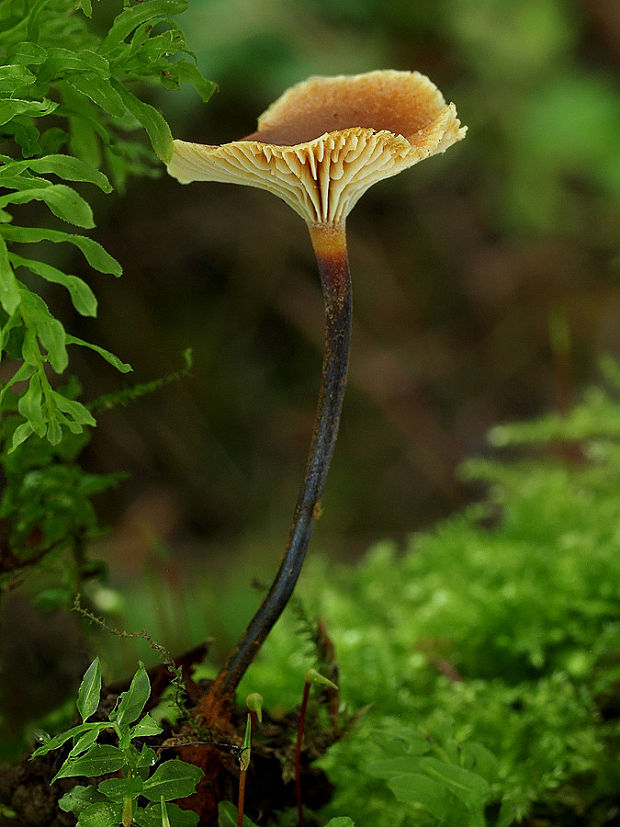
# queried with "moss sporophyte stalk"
point(311, 676)
point(319, 147)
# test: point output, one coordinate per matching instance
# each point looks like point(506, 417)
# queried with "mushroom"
point(319, 147)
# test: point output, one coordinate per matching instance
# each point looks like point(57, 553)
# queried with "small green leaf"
point(14, 76)
point(466, 785)
point(21, 434)
point(41, 736)
point(132, 702)
point(14, 322)
point(54, 428)
point(92, 251)
point(340, 821)
point(135, 16)
point(49, 330)
point(480, 760)
point(27, 54)
point(86, 6)
point(26, 135)
point(183, 71)
point(82, 296)
point(420, 789)
point(53, 139)
point(70, 169)
point(78, 414)
point(20, 181)
point(113, 360)
point(145, 727)
point(84, 742)
point(62, 200)
point(89, 691)
point(79, 798)
point(11, 107)
point(154, 49)
point(31, 352)
point(30, 406)
point(172, 779)
point(9, 291)
point(147, 759)
point(60, 61)
point(63, 737)
point(99, 760)
point(156, 126)
point(99, 91)
point(117, 788)
point(101, 814)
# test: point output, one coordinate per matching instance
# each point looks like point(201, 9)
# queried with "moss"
point(505, 635)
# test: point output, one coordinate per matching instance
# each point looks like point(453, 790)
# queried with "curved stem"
point(329, 242)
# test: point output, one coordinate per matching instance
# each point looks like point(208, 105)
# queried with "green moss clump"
point(499, 628)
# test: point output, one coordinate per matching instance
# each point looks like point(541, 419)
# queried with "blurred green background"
point(485, 286)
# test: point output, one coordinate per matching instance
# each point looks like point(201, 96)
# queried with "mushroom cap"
point(326, 140)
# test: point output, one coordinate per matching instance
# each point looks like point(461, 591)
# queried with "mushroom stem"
point(330, 248)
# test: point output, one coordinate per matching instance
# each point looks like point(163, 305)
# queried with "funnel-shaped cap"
point(325, 141)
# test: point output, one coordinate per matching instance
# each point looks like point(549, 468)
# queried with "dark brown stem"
point(329, 242)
